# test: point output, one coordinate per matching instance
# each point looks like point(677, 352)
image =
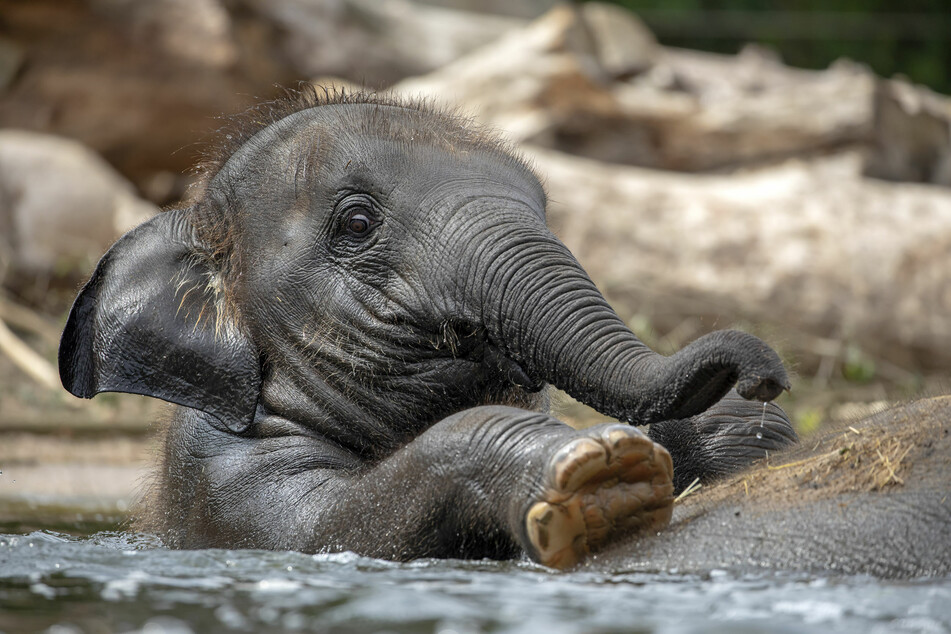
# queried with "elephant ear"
point(149, 322)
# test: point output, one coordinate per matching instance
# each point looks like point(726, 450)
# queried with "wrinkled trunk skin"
point(543, 311)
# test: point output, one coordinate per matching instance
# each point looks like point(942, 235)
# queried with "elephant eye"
point(359, 225)
point(357, 215)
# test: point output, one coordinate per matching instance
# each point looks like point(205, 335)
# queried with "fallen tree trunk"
point(551, 83)
point(815, 247)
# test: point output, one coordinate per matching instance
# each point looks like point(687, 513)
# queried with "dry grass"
point(692, 488)
point(881, 472)
point(876, 454)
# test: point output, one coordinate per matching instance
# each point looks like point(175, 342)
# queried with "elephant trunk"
point(542, 310)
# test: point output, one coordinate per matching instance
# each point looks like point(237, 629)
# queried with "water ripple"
point(126, 582)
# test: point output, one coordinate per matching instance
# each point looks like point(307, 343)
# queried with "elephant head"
point(366, 268)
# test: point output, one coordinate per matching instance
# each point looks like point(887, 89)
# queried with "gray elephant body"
point(872, 497)
point(357, 312)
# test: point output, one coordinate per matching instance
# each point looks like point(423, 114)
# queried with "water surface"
point(116, 581)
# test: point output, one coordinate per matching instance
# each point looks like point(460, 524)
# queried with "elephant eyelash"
point(358, 217)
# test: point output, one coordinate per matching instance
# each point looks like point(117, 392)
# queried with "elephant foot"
point(611, 482)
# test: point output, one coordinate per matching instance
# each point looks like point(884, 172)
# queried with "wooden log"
point(32, 364)
point(805, 246)
point(911, 138)
point(546, 84)
point(24, 318)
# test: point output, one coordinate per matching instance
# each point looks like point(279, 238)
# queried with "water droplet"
point(759, 435)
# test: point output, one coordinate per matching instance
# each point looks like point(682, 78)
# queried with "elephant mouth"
point(475, 347)
point(509, 369)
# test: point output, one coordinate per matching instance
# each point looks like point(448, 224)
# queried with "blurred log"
point(805, 246)
point(911, 135)
point(35, 366)
point(142, 82)
point(514, 8)
point(524, 83)
point(547, 84)
point(375, 43)
point(24, 318)
point(699, 112)
point(195, 32)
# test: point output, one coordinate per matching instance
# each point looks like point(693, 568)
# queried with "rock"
point(61, 205)
point(195, 31)
point(138, 82)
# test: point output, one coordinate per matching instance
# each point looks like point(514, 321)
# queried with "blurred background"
point(781, 167)
point(891, 37)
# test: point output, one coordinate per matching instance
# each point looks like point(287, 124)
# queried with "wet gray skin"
point(357, 312)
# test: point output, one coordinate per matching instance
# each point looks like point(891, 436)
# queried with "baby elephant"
point(357, 312)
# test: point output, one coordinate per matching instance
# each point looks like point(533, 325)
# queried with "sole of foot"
point(611, 482)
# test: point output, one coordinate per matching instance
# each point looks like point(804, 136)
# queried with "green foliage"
point(857, 366)
point(907, 37)
point(807, 421)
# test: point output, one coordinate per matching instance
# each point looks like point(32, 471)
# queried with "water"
point(762, 420)
point(114, 581)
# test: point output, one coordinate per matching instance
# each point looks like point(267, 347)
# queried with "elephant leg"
point(724, 439)
point(495, 481)
point(486, 482)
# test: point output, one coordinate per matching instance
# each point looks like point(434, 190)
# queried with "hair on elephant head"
point(350, 278)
